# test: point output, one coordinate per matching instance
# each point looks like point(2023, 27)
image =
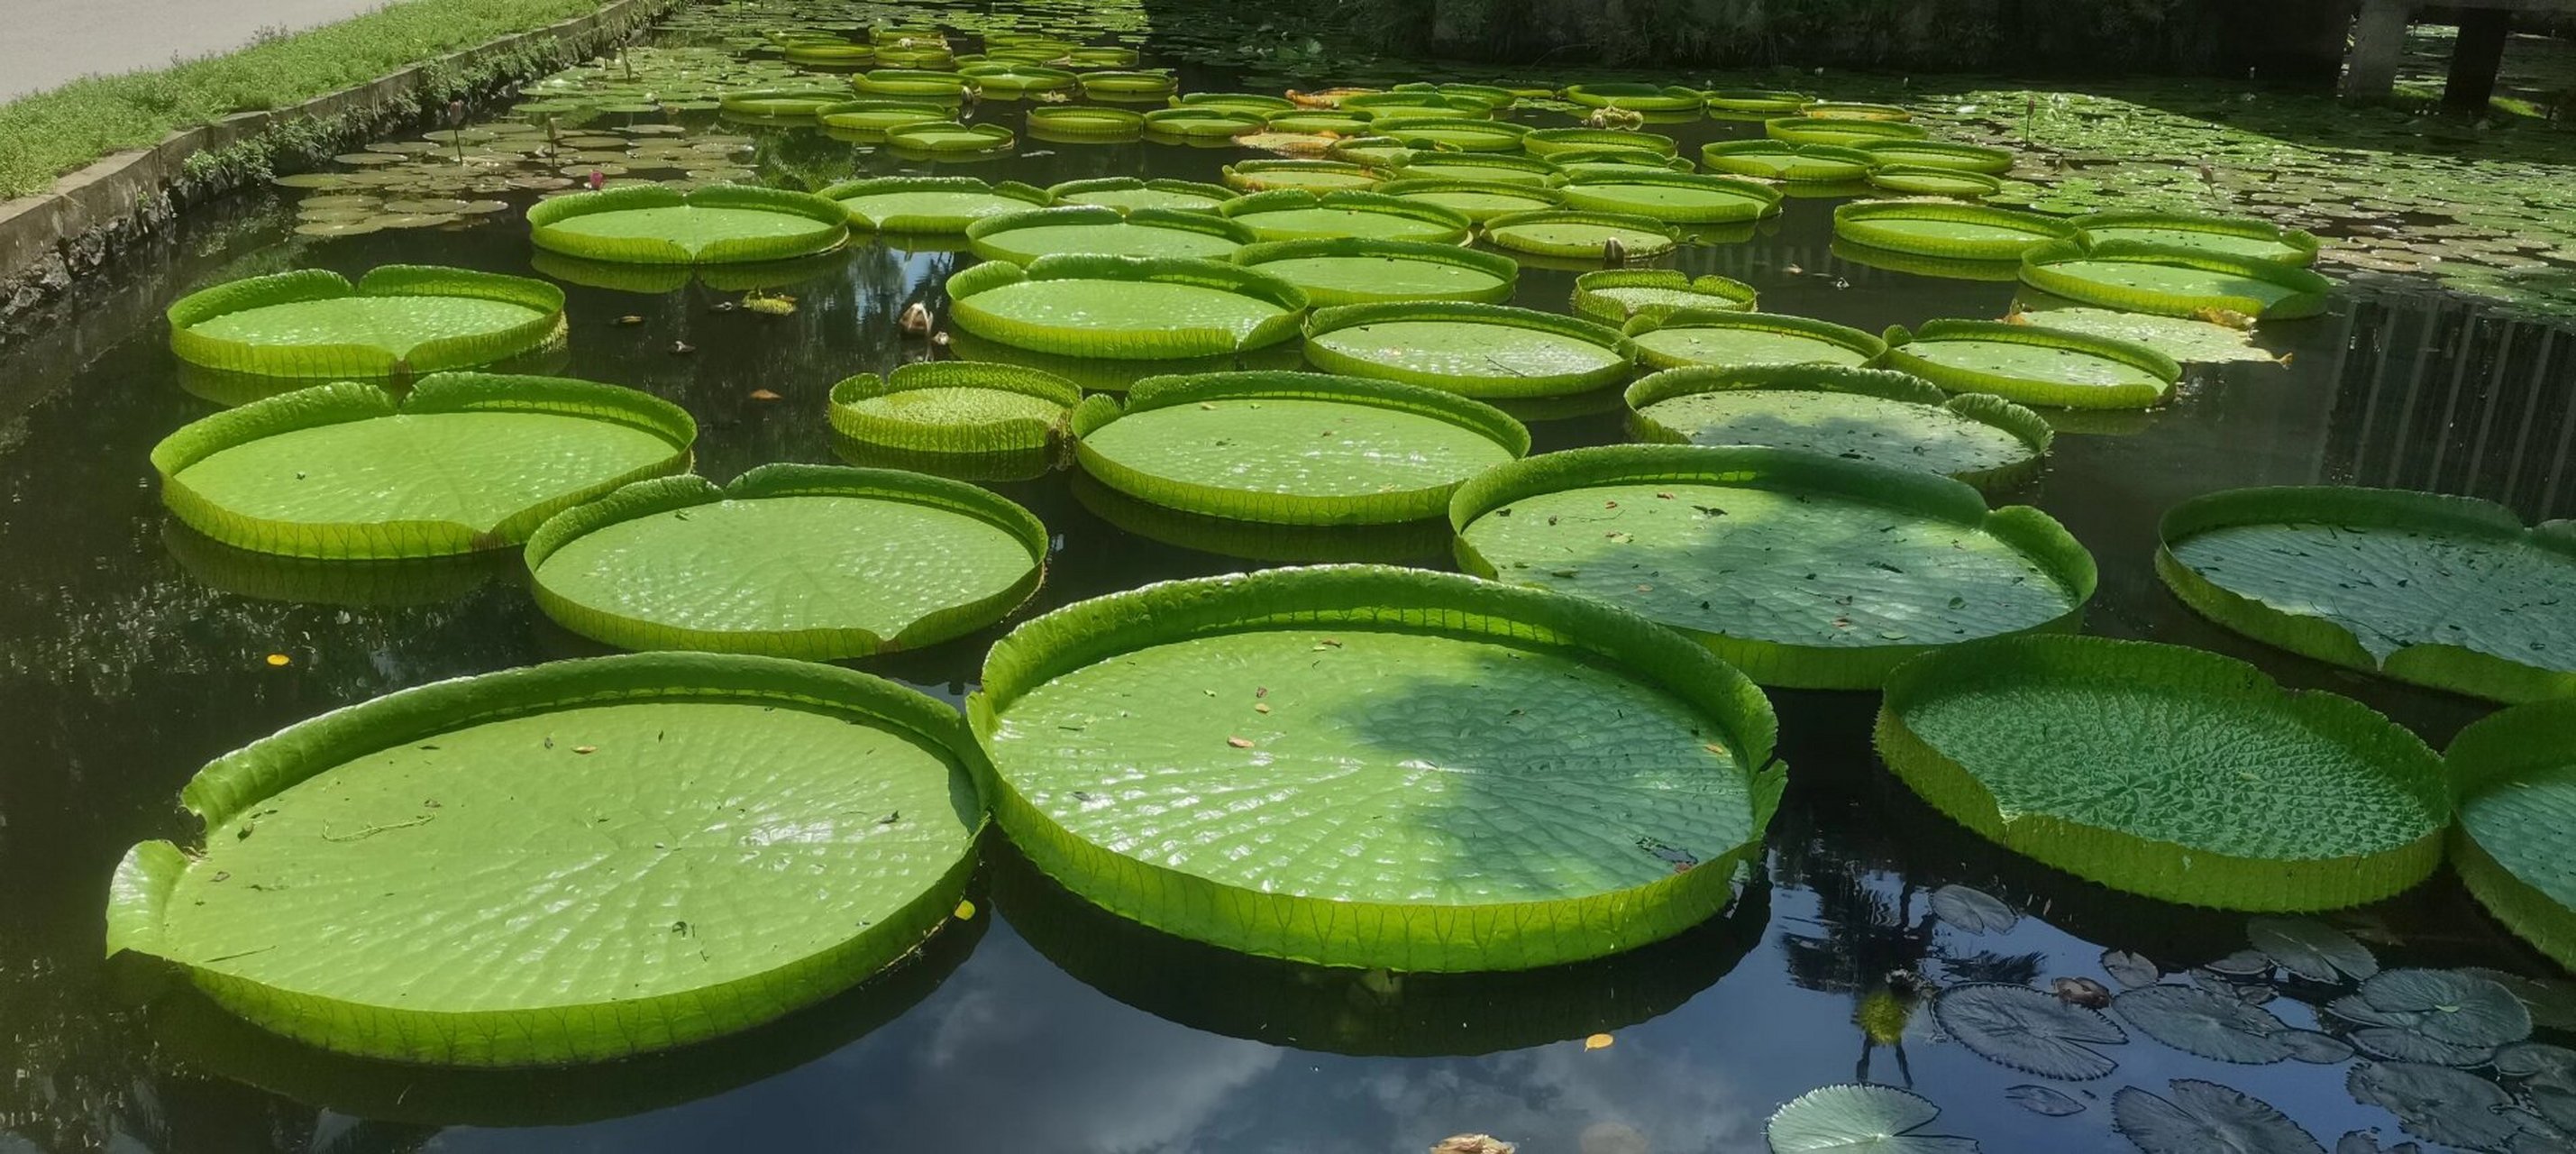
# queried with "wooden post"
point(2476, 61)
point(2378, 41)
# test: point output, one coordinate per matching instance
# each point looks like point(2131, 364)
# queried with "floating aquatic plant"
point(718, 224)
point(937, 205)
point(1126, 308)
point(1736, 339)
point(2033, 364)
point(1347, 270)
point(1477, 350)
point(2515, 775)
point(396, 321)
point(1022, 237)
point(1875, 416)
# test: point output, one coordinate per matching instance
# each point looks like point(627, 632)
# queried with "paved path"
point(46, 43)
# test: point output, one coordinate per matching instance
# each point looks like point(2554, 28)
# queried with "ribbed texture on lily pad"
point(1293, 448)
point(1476, 350)
point(1801, 569)
point(1947, 230)
point(2168, 771)
point(819, 562)
point(2033, 364)
point(1877, 416)
point(931, 204)
point(2514, 775)
point(2174, 282)
point(396, 321)
point(955, 408)
point(464, 462)
point(717, 224)
point(1613, 295)
point(1367, 678)
point(1782, 160)
point(1126, 308)
point(521, 868)
point(2449, 592)
point(1353, 270)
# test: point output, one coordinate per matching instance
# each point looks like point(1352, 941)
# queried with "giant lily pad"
point(565, 863)
point(1838, 130)
point(2516, 780)
point(1801, 569)
point(1128, 85)
point(1877, 416)
point(397, 320)
point(1477, 350)
point(914, 83)
point(2213, 1026)
point(1738, 339)
point(2167, 771)
point(2187, 340)
point(1022, 237)
point(1295, 214)
point(1293, 448)
point(1925, 180)
point(930, 204)
point(955, 408)
point(1680, 197)
point(1125, 308)
point(1398, 543)
point(1636, 97)
point(1207, 123)
point(466, 461)
point(2450, 592)
point(1127, 194)
point(1943, 229)
point(650, 224)
point(1755, 103)
point(868, 119)
point(2033, 365)
point(1480, 167)
point(2146, 278)
point(1479, 201)
point(1781, 160)
point(943, 139)
point(1569, 234)
point(780, 103)
point(1614, 295)
point(1551, 141)
point(1349, 271)
point(1411, 721)
point(1084, 124)
point(1007, 79)
point(2224, 236)
point(811, 561)
point(1941, 154)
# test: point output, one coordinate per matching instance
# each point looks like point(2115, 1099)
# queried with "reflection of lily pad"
point(1440, 732)
point(1801, 569)
point(810, 561)
point(418, 853)
point(315, 581)
point(2129, 763)
point(2027, 1030)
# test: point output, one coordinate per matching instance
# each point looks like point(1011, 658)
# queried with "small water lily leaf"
point(2448, 1006)
point(2536, 1060)
point(1972, 911)
point(2027, 1030)
point(2043, 1100)
point(2207, 1118)
point(2404, 1044)
point(2242, 964)
point(2311, 949)
point(2195, 1021)
point(2312, 1046)
point(2552, 1002)
point(1857, 1117)
point(2437, 1103)
point(2131, 970)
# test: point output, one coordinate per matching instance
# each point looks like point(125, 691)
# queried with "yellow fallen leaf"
point(1597, 1042)
point(279, 659)
point(585, 749)
point(1238, 742)
point(965, 910)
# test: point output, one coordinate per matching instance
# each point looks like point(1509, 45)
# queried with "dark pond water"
point(130, 654)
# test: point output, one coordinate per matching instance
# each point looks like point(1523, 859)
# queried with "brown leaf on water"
point(763, 395)
point(1239, 742)
point(1473, 1144)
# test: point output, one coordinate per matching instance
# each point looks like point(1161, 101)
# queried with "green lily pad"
point(2219, 235)
point(2029, 1031)
point(1845, 131)
point(1022, 237)
point(1315, 176)
point(1295, 214)
point(1921, 180)
point(1083, 123)
point(1941, 154)
point(1126, 194)
point(1452, 133)
point(565, 863)
point(920, 83)
point(2169, 772)
point(1756, 101)
point(2437, 1104)
point(1007, 79)
point(816, 562)
point(941, 205)
point(948, 137)
point(2311, 949)
point(2187, 341)
point(955, 408)
point(1636, 97)
point(780, 102)
point(1255, 102)
point(1943, 229)
point(1551, 141)
point(1317, 121)
point(1947, 268)
point(1202, 123)
point(1740, 339)
point(870, 118)
point(1615, 295)
point(1419, 719)
point(1859, 1118)
point(2146, 278)
point(2032, 364)
point(720, 223)
point(1293, 448)
point(465, 461)
point(1480, 167)
point(2516, 774)
point(1781, 160)
point(1478, 201)
point(1801, 569)
point(397, 320)
point(1128, 85)
point(1476, 350)
point(1875, 416)
point(1351, 271)
point(1681, 197)
point(2449, 592)
point(1125, 308)
point(1569, 234)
